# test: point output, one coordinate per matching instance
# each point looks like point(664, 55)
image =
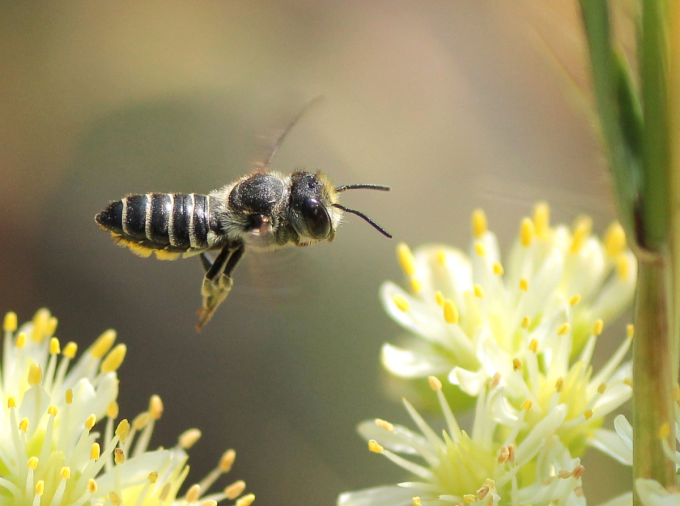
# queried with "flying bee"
point(260, 211)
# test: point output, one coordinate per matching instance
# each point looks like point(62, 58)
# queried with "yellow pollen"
point(23, 425)
point(527, 232)
point(482, 492)
point(103, 344)
point(55, 348)
point(115, 500)
point(227, 461)
point(10, 322)
point(614, 240)
point(40, 487)
point(385, 425)
point(246, 500)
point(153, 477)
point(526, 321)
point(511, 450)
point(498, 269)
point(188, 438)
point(65, 473)
point(523, 284)
point(450, 312)
point(578, 472)
point(118, 456)
point(435, 384)
point(597, 327)
point(628, 382)
point(123, 430)
point(33, 462)
point(95, 451)
point(542, 219)
point(503, 455)
point(533, 345)
point(574, 299)
point(479, 223)
point(417, 501)
point(114, 359)
point(588, 413)
point(480, 249)
point(40, 321)
point(601, 389)
point(52, 325)
point(235, 489)
point(559, 385)
point(564, 474)
point(526, 406)
point(91, 486)
point(68, 396)
point(112, 410)
point(630, 330)
point(34, 375)
point(516, 364)
point(495, 381)
point(70, 350)
point(406, 259)
point(141, 420)
point(90, 422)
point(563, 329)
point(622, 267)
point(155, 407)
point(439, 298)
point(193, 493)
point(209, 502)
point(441, 257)
point(11, 402)
point(479, 292)
point(582, 229)
point(374, 447)
point(401, 303)
point(469, 498)
point(21, 340)
point(416, 285)
point(664, 431)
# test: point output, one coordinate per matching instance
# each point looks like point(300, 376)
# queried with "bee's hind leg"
point(217, 282)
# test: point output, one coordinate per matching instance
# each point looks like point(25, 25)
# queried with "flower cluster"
point(57, 450)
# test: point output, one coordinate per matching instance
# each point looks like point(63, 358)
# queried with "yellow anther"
point(112, 410)
point(91, 486)
point(542, 219)
point(55, 348)
point(526, 406)
point(470, 498)
point(155, 407)
point(95, 451)
point(141, 420)
point(51, 326)
point(65, 473)
point(563, 329)
point(498, 269)
point(123, 430)
point(435, 384)
point(52, 410)
point(34, 375)
point(503, 455)
point(533, 345)
point(21, 340)
point(11, 402)
point(90, 422)
point(33, 462)
point(526, 321)
point(118, 456)
point(482, 492)
point(479, 291)
point(516, 364)
point(385, 425)
point(189, 438)
point(70, 350)
point(676, 392)
point(23, 425)
point(103, 344)
point(622, 267)
point(153, 477)
point(628, 382)
point(664, 431)
point(441, 257)
point(209, 502)
point(40, 322)
point(527, 232)
point(10, 322)
point(40, 487)
point(480, 249)
point(479, 224)
point(601, 388)
point(614, 240)
point(115, 500)
point(416, 285)
point(574, 299)
point(578, 472)
point(559, 385)
point(227, 461)
point(165, 491)
point(564, 474)
point(450, 312)
point(439, 297)
point(597, 327)
point(374, 447)
point(582, 229)
point(588, 413)
point(68, 396)
point(495, 380)
point(235, 489)
point(246, 500)
point(630, 330)
point(406, 259)
point(417, 501)
point(114, 359)
point(193, 493)
point(523, 284)
point(401, 303)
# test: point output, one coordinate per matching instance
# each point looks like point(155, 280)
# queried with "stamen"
point(516, 364)
point(123, 430)
point(416, 285)
point(574, 299)
point(103, 344)
point(40, 487)
point(34, 375)
point(115, 500)
point(10, 322)
point(114, 359)
point(155, 407)
point(498, 269)
point(601, 388)
point(628, 382)
point(23, 425)
point(401, 303)
point(578, 472)
point(479, 291)
point(70, 350)
point(52, 410)
point(542, 219)
point(227, 461)
point(406, 259)
point(582, 230)
point(90, 422)
point(597, 328)
point(55, 349)
point(209, 502)
point(614, 240)
point(118, 456)
point(417, 501)
point(189, 438)
point(563, 329)
point(533, 345)
point(664, 431)
point(527, 232)
point(439, 297)
point(193, 494)
point(526, 406)
point(33, 462)
point(480, 249)
point(441, 257)
point(374, 447)
point(141, 420)
point(523, 284)
point(91, 486)
point(479, 223)
point(11, 402)
point(95, 451)
point(588, 413)
point(65, 473)
point(21, 340)
point(435, 384)
point(450, 312)
point(246, 500)
point(622, 267)
point(112, 410)
point(526, 321)
point(469, 498)
point(559, 385)
point(235, 489)
point(495, 381)
point(153, 477)
point(385, 425)
point(630, 330)
point(68, 396)
point(51, 325)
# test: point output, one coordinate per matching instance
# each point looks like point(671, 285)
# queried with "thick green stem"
point(653, 372)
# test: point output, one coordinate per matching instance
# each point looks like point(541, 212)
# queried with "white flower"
point(456, 304)
point(50, 452)
point(489, 467)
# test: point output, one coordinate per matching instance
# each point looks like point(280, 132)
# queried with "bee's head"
point(314, 209)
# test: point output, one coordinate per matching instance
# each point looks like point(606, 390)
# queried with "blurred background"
point(454, 104)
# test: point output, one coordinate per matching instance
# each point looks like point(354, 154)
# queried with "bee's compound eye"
point(316, 218)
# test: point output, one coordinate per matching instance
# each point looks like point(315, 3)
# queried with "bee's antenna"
point(369, 220)
point(379, 187)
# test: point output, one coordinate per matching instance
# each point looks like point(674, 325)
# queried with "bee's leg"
point(206, 262)
point(217, 282)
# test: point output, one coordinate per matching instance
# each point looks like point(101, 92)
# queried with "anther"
point(516, 364)
point(503, 455)
point(115, 500)
point(91, 486)
point(416, 285)
point(601, 388)
point(622, 267)
point(401, 303)
point(235, 489)
point(480, 249)
point(498, 269)
point(118, 456)
point(385, 425)
point(52, 410)
point(70, 350)
point(588, 413)
point(439, 298)
point(435, 384)
point(527, 232)
point(450, 312)
point(114, 359)
point(542, 219)
point(68, 396)
point(112, 410)
point(664, 431)
point(578, 492)
point(246, 500)
point(523, 284)
point(676, 392)
point(479, 291)
point(34, 375)
point(52, 325)
point(10, 322)
point(495, 380)
point(90, 422)
point(406, 259)
point(479, 223)
point(55, 348)
point(193, 493)
point(628, 382)
point(482, 492)
point(374, 447)
point(65, 473)
point(441, 257)
point(40, 487)
point(209, 502)
point(103, 344)
point(155, 407)
point(95, 451)
point(533, 345)
point(417, 501)
point(23, 425)
point(227, 461)
point(526, 321)
point(470, 498)
point(11, 402)
point(21, 340)
point(563, 329)
point(559, 385)
point(141, 420)
point(33, 462)
point(563, 474)
point(578, 472)
point(574, 299)
point(630, 330)
point(188, 438)
point(582, 229)
point(614, 240)
point(123, 429)
point(597, 327)
point(526, 406)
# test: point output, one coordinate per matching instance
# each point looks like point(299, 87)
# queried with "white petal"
point(469, 382)
point(402, 440)
point(610, 443)
point(653, 494)
point(379, 496)
point(621, 500)
point(412, 363)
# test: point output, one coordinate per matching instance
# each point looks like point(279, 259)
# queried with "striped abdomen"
point(167, 223)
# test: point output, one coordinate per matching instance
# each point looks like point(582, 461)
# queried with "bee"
point(260, 211)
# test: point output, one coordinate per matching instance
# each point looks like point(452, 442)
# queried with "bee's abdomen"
point(174, 222)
